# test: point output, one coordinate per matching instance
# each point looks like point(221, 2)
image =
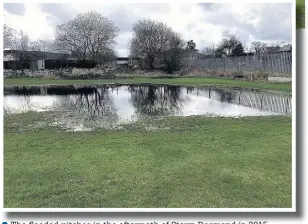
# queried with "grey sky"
point(15, 8)
point(202, 22)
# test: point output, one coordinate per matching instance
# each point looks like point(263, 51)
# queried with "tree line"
point(90, 36)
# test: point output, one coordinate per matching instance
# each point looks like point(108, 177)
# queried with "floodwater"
point(88, 106)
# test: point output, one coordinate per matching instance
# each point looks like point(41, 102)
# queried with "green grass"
point(195, 162)
point(285, 87)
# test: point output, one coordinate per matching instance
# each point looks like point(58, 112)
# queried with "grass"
point(197, 162)
point(284, 87)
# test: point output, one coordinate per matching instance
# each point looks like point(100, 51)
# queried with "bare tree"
point(258, 47)
point(8, 36)
point(19, 41)
point(89, 34)
point(42, 45)
point(277, 43)
point(209, 49)
point(151, 38)
point(15, 39)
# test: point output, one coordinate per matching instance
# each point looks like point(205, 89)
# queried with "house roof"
point(127, 58)
point(279, 49)
point(183, 52)
point(36, 55)
point(134, 58)
point(122, 58)
point(286, 48)
point(272, 49)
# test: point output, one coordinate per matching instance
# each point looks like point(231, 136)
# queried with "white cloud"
point(33, 22)
point(202, 23)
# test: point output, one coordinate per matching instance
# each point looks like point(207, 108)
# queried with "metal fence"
point(279, 63)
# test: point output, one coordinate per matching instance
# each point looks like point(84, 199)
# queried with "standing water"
point(113, 104)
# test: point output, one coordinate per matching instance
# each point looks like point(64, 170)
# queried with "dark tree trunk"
point(151, 62)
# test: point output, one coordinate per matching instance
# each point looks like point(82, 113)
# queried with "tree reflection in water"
point(87, 110)
point(93, 105)
point(156, 100)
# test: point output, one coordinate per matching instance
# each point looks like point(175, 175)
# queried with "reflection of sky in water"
point(117, 105)
point(22, 104)
point(204, 106)
point(126, 111)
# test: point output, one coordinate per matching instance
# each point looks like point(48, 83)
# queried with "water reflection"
point(154, 100)
point(96, 105)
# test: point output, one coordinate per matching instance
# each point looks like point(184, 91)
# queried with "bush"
point(172, 61)
point(85, 64)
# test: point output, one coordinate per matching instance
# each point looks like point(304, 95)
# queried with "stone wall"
point(9, 73)
point(65, 73)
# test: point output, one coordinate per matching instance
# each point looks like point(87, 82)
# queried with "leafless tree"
point(151, 38)
point(246, 48)
point(277, 44)
point(19, 41)
point(42, 45)
point(8, 36)
point(258, 47)
point(209, 49)
point(89, 34)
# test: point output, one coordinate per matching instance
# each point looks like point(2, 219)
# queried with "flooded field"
point(91, 106)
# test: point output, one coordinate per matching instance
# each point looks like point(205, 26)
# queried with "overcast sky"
point(201, 22)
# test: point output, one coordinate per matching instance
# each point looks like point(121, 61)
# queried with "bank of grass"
point(186, 162)
point(284, 87)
